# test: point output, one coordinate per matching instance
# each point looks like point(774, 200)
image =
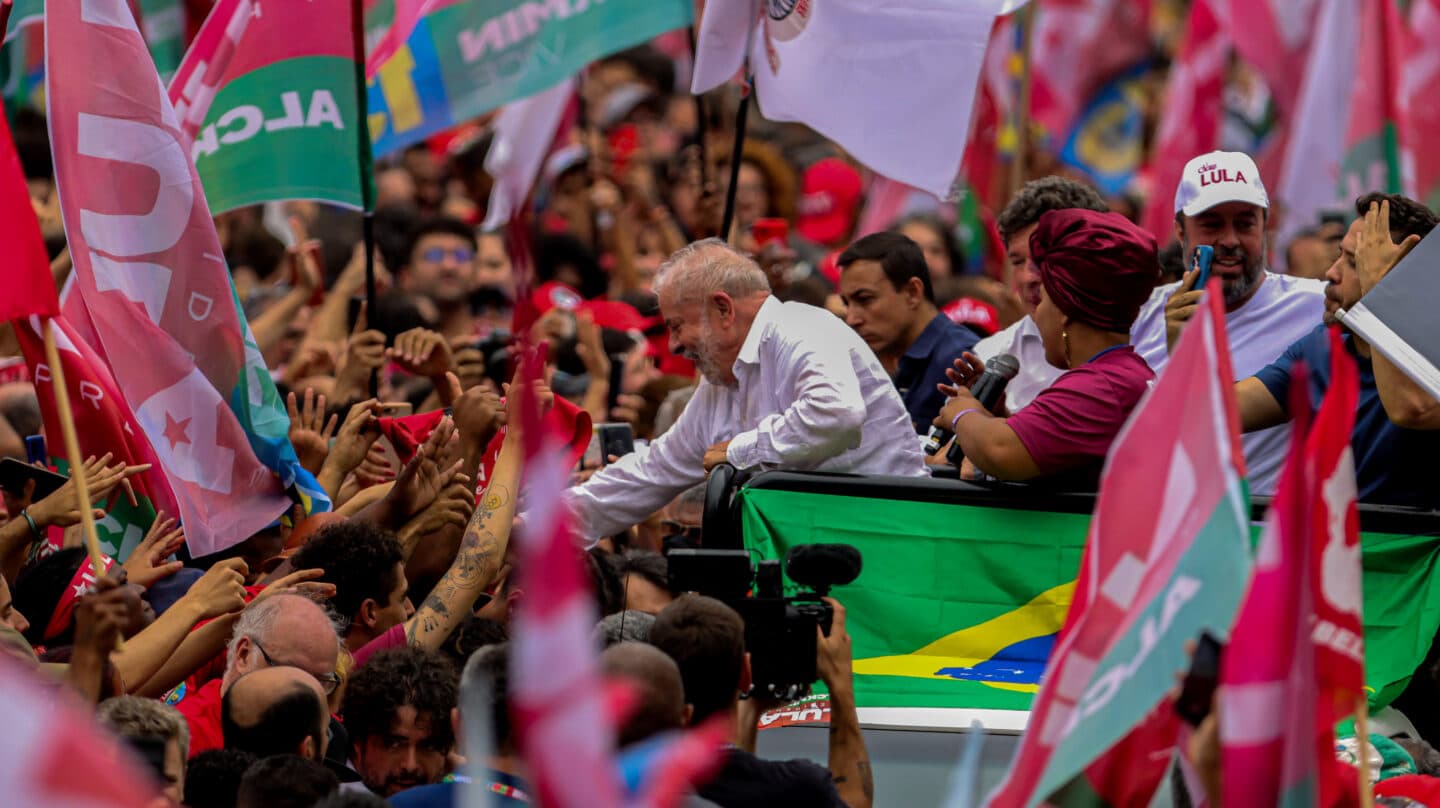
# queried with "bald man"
point(656, 678)
point(284, 629)
point(276, 711)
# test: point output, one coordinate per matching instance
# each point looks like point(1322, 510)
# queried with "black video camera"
point(779, 629)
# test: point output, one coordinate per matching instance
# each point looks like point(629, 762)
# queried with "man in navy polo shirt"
point(889, 301)
point(1393, 444)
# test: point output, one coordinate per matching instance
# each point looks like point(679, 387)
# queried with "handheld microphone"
point(989, 390)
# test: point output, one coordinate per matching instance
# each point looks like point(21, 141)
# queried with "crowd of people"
point(322, 661)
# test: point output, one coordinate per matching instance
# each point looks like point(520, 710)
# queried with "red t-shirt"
point(394, 637)
point(1069, 427)
point(201, 709)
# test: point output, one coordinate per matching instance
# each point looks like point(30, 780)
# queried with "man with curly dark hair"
point(1393, 440)
point(397, 713)
point(1021, 339)
point(367, 566)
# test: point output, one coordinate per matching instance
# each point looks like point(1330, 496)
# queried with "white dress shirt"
point(1022, 341)
point(810, 395)
point(1284, 309)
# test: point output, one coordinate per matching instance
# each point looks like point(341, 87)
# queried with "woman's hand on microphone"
point(966, 370)
point(960, 401)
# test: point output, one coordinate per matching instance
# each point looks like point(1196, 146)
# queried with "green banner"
point(467, 58)
point(959, 605)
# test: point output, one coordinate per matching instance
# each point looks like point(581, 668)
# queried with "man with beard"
point(442, 268)
point(784, 385)
point(1221, 202)
point(1393, 456)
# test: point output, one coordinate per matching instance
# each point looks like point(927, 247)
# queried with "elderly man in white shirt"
point(784, 385)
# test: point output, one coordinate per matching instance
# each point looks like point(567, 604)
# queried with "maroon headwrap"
point(1097, 267)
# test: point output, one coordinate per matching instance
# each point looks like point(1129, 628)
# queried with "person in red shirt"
point(1096, 269)
point(284, 629)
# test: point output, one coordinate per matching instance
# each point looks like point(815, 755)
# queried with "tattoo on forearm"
point(475, 563)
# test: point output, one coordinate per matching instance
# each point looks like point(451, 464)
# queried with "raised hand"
point(452, 509)
point(1377, 254)
point(422, 352)
point(220, 590)
point(147, 563)
point(428, 473)
point(299, 582)
point(309, 432)
point(364, 352)
point(59, 508)
point(478, 413)
point(469, 363)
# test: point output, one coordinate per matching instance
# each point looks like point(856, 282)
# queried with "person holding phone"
point(1221, 202)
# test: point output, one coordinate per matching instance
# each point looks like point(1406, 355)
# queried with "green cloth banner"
point(958, 605)
point(466, 58)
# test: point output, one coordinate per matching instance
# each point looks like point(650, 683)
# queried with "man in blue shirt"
point(1393, 446)
point(890, 303)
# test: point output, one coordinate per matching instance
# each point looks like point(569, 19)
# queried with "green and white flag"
point(275, 114)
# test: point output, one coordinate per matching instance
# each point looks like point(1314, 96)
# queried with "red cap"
point(829, 201)
point(615, 315)
point(555, 295)
point(977, 314)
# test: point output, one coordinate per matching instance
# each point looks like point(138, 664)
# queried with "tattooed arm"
point(481, 553)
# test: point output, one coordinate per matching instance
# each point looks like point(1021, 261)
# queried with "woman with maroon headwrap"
point(1096, 270)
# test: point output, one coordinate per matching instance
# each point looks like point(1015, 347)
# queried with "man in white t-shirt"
point(1022, 339)
point(1221, 202)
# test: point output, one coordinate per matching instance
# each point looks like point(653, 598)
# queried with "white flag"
point(524, 131)
point(891, 82)
point(1310, 181)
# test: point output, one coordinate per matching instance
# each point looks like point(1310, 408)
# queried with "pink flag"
point(29, 287)
point(1373, 137)
point(558, 701)
point(407, 16)
point(53, 754)
point(1419, 87)
point(204, 67)
point(1273, 36)
point(1294, 664)
point(524, 133)
point(1190, 121)
point(1156, 570)
point(149, 267)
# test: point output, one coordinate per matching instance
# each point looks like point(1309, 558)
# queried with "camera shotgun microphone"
point(988, 390)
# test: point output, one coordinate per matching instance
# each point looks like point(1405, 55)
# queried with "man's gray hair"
point(626, 626)
point(136, 717)
point(258, 620)
point(708, 266)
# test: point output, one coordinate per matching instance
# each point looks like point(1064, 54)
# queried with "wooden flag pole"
point(72, 451)
point(1026, 19)
point(1362, 750)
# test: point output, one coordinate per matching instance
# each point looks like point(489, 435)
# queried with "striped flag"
point(149, 269)
point(1156, 571)
point(29, 286)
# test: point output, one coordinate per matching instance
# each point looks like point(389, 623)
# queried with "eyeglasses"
point(328, 681)
point(437, 254)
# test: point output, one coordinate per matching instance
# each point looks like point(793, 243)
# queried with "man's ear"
point(914, 291)
point(308, 750)
point(366, 617)
point(724, 306)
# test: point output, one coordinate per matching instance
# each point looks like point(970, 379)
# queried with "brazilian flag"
point(962, 594)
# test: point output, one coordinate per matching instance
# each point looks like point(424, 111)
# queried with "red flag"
point(1294, 665)
point(150, 270)
point(52, 754)
point(1419, 86)
point(103, 423)
point(29, 287)
point(1190, 121)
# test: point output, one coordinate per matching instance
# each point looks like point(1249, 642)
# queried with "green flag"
point(283, 119)
point(958, 604)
